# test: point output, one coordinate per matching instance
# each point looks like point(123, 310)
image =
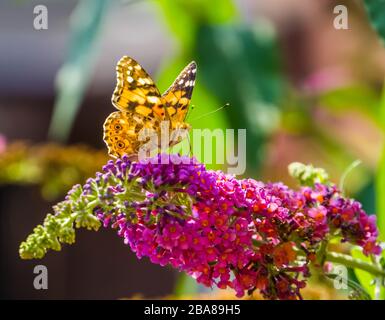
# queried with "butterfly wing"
point(177, 98)
point(139, 103)
point(135, 91)
point(119, 134)
point(122, 132)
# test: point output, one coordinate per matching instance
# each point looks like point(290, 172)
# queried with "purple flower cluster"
point(332, 212)
point(226, 232)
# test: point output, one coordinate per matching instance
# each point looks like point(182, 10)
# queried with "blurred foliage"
point(376, 9)
point(185, 285)
point(359, 97)
point(380, 179)
point(55, 168)
point(311, 130)
point(74, 76)
point(241, 65)
point(365, 279)
point(320, 115)
point(185, 16)
point(380, 191)
point(238, 64)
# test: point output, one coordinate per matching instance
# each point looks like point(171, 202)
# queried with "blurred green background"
point(304, 90)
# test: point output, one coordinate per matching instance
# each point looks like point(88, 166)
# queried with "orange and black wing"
point(177, 98)
point(135, 91)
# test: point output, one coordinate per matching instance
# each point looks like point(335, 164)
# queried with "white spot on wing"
point(152, 99)
point(190, 83)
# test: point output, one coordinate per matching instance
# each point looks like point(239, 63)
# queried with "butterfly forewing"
point(135, 90)
point(177, 98)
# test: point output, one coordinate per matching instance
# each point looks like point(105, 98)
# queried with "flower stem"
point(354, 263)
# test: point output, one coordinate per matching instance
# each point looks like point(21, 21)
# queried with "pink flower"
point(229, 232)
point(318, 214)
point(371, 247)
point(172, 230)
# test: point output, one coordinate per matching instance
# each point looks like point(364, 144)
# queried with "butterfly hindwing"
point(177, 98)
point(122, 130)
point(118, 134)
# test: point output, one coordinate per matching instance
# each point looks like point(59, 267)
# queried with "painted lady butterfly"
point(141, 106)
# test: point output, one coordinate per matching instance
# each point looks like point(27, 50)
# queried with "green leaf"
point(382, 108)
point(241, 66)
point(365, 278)
point(367, 195)
point(185, 16)
point(375, 10)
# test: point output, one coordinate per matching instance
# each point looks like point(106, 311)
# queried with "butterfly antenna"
point(211, 112)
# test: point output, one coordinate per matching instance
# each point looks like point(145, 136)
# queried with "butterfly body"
point(141, 106)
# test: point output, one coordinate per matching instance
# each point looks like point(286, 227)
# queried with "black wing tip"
point(192, 67)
